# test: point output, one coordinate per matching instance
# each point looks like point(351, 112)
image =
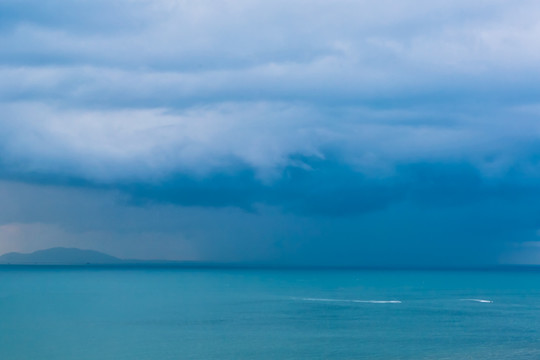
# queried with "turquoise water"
point(89, 313)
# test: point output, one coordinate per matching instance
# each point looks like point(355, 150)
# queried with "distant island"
point(78, 257)
point(60, 256)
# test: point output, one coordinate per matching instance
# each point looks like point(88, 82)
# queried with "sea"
point(218, 313)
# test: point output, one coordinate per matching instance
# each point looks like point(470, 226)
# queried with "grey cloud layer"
point(306, 51)
point(152, 144)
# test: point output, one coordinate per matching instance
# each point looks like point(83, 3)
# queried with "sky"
point(342, 133)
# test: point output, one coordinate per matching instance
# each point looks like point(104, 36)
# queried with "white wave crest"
point(353, 301)
point(478, 300)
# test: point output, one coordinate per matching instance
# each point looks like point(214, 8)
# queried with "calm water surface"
point(92, 313)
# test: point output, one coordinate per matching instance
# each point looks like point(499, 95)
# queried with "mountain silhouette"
point(59, 256)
